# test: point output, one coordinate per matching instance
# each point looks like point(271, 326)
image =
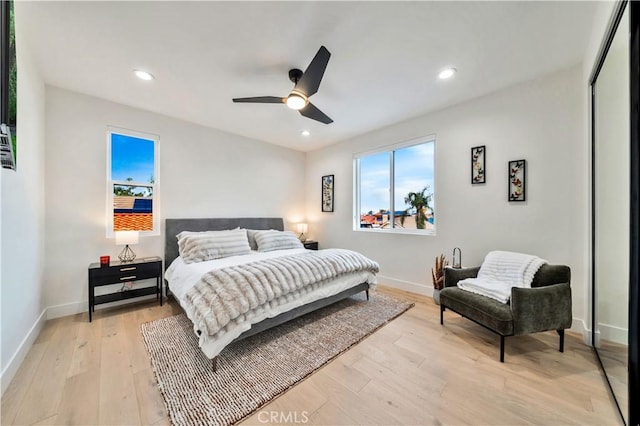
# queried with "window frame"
point(156, 179)
point(431, 138)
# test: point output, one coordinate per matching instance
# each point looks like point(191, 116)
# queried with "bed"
point(180, 279)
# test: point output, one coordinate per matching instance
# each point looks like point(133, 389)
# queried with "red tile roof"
point(132, 221)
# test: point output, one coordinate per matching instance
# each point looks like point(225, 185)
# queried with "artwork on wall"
point(327, 193)
point(478, 156)
point(517, 180)
point(8, 87)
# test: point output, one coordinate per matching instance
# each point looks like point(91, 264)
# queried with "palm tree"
point(420, 202)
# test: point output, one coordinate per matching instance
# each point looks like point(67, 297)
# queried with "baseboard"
point(605, 332)
point(16, 360)
point(613, 334)
point(66, 309)
point(80, 307)
point(405, 285)
point(580, 327)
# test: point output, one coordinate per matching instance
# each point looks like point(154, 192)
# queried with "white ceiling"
point(383, 69)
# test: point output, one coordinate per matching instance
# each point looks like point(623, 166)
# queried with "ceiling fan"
point(306, 84)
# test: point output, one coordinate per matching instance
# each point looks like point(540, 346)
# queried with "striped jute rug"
point(255, 370)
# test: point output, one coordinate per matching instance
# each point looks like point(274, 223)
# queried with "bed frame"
point(174, 226)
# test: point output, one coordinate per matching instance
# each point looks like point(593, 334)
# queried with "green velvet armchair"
point(545, 306)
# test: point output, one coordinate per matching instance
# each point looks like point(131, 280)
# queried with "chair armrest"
point(453, 275)
point(541, 308)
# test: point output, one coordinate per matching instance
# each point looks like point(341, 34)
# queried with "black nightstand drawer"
point(125, 272)
point(311, 245)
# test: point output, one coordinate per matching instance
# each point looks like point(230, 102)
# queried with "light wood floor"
point(412, 371)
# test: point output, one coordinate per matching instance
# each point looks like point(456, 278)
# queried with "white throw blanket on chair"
point(500, 271)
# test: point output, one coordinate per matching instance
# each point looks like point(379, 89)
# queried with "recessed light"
point(447, 73)
point(305, 133)
point(143, 75)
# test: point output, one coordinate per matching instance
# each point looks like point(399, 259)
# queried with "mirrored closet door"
point(614, 211)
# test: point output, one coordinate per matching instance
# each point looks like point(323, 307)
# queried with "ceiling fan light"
point(295, 101)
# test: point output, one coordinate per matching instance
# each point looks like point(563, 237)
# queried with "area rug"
point(255, 370)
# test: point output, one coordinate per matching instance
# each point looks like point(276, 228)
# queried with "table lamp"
point(125, 238)
point(302, 228)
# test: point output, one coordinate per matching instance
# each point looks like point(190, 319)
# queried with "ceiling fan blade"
point(312, 112)
point(261, 100)
point(312, 76)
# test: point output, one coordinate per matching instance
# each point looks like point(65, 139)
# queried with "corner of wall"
point(19, 355)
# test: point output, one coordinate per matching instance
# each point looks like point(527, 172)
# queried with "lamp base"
point(126, 255)
point(302, 237)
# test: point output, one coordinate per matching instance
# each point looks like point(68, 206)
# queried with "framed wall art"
point(517, 180)
point(8, 87)
point(327, 193)
point(478, 157)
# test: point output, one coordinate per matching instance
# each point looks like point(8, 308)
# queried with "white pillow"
point(277, 240)
point(209, 245)
point(251, 234)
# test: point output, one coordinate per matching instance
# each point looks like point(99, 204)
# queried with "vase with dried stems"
point(437, 274)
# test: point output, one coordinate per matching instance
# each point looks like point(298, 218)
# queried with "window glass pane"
point(132, 208)
point(132, 160)
point(413, 187)
point(375, 178)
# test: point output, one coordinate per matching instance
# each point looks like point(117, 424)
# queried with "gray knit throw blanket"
point(223, 295)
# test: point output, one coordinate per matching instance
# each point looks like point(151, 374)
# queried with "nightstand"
point(311, 245)
point(118, 272)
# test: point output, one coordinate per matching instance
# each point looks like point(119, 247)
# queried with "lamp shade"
point(302, 228)
point(126, 237)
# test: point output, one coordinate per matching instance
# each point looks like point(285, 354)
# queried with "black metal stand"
point(126, 255)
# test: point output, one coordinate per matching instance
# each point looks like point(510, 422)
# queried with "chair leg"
point(367, 291)
point(214, 364)
point(501, 348)
point(561, 334)
point(441, 314)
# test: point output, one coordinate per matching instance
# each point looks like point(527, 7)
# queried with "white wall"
point(541, 121)
point(203, 173)
point(23, 220)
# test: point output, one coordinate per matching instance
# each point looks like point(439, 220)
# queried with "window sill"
point(397, 231)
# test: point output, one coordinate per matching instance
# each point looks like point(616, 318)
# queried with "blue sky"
point(131, 158)
point(413, 171)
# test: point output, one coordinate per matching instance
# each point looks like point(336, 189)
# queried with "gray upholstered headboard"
point(174, 226)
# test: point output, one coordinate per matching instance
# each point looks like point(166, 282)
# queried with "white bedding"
point(500, 271)
point(182, 276)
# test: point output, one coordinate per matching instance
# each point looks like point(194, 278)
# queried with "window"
point(394, 188)
point(132, 174)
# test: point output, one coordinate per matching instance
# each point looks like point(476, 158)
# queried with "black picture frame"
point(8, 88)
point(328, 182)
point(478, 161)
point(5, 10)
point(517, 183)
